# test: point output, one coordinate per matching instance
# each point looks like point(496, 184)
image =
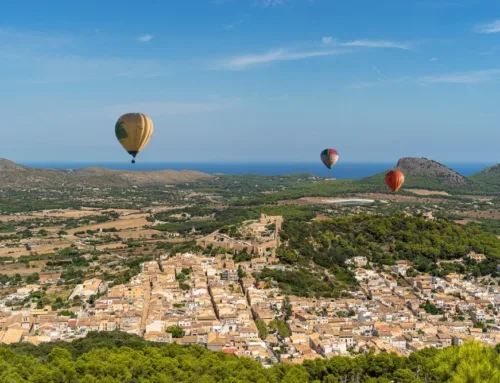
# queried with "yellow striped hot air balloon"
point(134, 130)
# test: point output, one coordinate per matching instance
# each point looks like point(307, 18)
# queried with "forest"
point(118, 357)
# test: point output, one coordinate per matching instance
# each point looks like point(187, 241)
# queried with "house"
point(476, 257)
point(478, 315)
point(49, 277)
point(258, 264)
point(12, 335)
point(358, 261)
point(347, 338)
point(93, 287)
point(229, 275)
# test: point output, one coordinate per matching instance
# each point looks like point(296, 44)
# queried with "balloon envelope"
point(134, 130)
point(329, 157)
point(394, 179)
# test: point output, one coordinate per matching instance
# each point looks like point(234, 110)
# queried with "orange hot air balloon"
point(394, 179)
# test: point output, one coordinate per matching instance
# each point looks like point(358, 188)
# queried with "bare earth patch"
point(119, 225)
point(426, 192)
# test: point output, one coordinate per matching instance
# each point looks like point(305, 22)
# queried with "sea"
point(339, 171)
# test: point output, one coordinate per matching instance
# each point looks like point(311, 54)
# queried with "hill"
point(18, 176)
point(426, 174)
point(489, 176)
point(382, 240)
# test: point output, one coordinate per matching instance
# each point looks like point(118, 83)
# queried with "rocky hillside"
point(13, 175)
point(432, 170)
point(424, 174)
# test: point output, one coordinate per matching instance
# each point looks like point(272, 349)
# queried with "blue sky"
point(252, 80)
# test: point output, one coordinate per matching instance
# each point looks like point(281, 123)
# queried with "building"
point(49, 277)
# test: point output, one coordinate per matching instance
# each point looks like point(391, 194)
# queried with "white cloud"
point(145, 38)
point(245, 61)
point(472, 77)
point(493, 27)
point(433, 59)
point(330, 41)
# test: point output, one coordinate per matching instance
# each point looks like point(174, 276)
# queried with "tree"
point(281, 327)
point(241, 272)
point(261, 326)
point(176, 331)
point(286, 309)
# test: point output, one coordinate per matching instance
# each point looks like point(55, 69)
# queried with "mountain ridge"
point(13, 175)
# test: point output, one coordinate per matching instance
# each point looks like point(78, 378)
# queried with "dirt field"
point(14, 252)
point(120, 224)
point(136, 234)
point(15, 218)
point(372, 196)
point(398, 198)
point(470, 215)
point(426, 192)
point(19, 269)
point(39, 246)
point(111, 246)
point(134, 216)
point(65, 213)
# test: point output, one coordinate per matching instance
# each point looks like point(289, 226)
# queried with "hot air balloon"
point(329, 157)
point(134, 130)
point(394, 179)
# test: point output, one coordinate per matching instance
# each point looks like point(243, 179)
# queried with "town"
point(216, 301)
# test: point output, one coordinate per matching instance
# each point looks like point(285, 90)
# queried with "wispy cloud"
point(145, 38)
point(493, 27)
point(330, 41)
point(358, 84)
point(232, 25)
point(32, 40)
point(433, 59)
point(169, 108)
point(441, 4)
point(246, 61)
point(33, 69)
point(283, 97)
point(492, 50)
point(270, 3)
point(472, 77)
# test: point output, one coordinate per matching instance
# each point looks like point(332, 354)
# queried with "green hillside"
point(489, 176)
